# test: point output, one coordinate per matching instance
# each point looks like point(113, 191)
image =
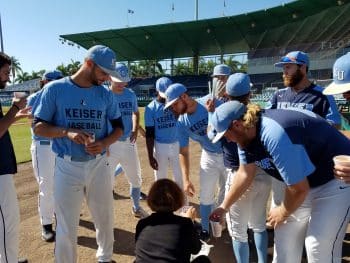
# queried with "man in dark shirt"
point(9, 210)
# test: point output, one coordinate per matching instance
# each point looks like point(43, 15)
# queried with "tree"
point(22, 77)
point(15, 67)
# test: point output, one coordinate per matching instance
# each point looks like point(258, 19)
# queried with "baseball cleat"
point(204, 236)
point(47, 233)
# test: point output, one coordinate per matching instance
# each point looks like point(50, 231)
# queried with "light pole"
point(2, 42)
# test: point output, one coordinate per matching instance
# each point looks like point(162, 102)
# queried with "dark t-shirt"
point(7, 155)
point(165, 237)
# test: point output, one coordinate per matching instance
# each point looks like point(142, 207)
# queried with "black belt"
point(44, 142)
point(84, 158)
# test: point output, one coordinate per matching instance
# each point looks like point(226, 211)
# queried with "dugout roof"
point(302, 21)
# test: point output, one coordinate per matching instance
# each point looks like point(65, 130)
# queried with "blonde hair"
point(251, 116)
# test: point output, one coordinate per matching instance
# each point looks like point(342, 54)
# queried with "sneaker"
point(139, 213)
point(204, 236)
point(47, 233)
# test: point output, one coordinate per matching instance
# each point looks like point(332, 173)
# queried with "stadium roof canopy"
point(298, 22)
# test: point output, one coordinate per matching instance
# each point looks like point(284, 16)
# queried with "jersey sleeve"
point(272, 103)
point(149, 116)
point(183, 135)
point(46, 105)
point(333, 115)
point(135, 107)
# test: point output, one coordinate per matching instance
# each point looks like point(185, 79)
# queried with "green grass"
point(21, 137)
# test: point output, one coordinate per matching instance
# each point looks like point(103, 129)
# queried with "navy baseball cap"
point(341, 76)
point(162, 84)
point(105, 58)
point(238, 84)
point(221, 70)
point(294, 57)
point(123, 73)
point(224, 115)
point(52, 75)
point(173, 93)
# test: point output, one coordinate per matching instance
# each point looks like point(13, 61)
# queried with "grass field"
point(21, 137)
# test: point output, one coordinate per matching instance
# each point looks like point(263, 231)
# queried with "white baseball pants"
point(125, 153)
point(167, 154)
point(9, 220)
point(72, 182)
point(43, 161)
point(250, 209)
point(320, 222)
point(211, 168)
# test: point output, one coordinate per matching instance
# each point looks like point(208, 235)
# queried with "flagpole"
point(196, 10)
point(2, 42)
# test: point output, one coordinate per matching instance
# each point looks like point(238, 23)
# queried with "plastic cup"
point(216, 228)
point(20, 94)
point(343, 160)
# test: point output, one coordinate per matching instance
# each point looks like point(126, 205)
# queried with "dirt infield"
point(36, 250)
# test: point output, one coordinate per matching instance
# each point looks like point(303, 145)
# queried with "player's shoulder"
point(129, 91)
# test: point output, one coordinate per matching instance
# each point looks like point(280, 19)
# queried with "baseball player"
point(300, 93)
point(124, 150)
point(341, 85)
point(9, 209)
point(316, 207)
point(43, 161)
point(250, 209)
point(161, 135)
point(220, 75)
point(76, 112)
point(193, 123)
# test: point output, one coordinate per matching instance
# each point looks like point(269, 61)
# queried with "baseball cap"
point(52, 75)
point(162, 84)
point(294, 57)
point(341, 76)
point(221, 70)
point(173, 93)
point(238, 84)
point(224, 115)
point(105, 58)
point(123, 72)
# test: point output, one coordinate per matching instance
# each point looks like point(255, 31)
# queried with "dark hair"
point(243, 99)
point(165, 196)
point(4, 59)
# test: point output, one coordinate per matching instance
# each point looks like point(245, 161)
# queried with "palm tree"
point(15, 67)
point(73, 67)
point(22, 76)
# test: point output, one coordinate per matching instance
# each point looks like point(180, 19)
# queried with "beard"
point(293, 80)
point(3, 84)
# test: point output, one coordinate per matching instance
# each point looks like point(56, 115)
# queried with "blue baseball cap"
point(162, 84)
point(341, 76)
point(52, 75)
point(173, 93)
point(238, 84)
point(224, 115)
point(105, 58)
point(294, 57)
point(221, 70)
point(123, 72)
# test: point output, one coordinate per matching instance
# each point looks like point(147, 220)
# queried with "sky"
point(31, 28)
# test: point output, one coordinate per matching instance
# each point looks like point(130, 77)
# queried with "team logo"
point(83, 103)
point(339, 74)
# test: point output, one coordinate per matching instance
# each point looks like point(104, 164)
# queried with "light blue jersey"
point(195, 126)
point(33, 101)
point(63, 103)
point(163, 121)
point(127, 103)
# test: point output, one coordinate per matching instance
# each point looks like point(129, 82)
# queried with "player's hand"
point(218, 215)
point(20, 102)
point(24, 113)
point(94, 148)
point(153, 163)
point(210, 105)
point(189, 188)
point(276, 216)
point(133, 137)
point(342, 172)
point(78, 136)
point(220, 88)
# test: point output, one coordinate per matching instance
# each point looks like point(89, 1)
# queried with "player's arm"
point(118, 130)
point(16, 112)
point(242, 180)
point(135, 126)
point(150, 134)
point(184, 158)
point(294, 196)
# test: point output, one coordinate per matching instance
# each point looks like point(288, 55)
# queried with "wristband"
point(14, 105)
